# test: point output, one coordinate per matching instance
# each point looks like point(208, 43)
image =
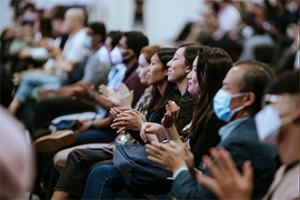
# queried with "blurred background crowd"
point(52, 50)
point(265, 30)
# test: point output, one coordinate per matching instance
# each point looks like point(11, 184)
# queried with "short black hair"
point(286, 83)
point(136, 40)
point(45, 27)
point(29, 5)
point(98, 28)
point(25, 22)
point(116, 36)
point(59, 14)
point(6, 87)
point(256, 79)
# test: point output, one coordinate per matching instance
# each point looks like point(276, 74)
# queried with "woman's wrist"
point(92, 127)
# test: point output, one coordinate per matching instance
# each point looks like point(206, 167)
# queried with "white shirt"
point(228, 19)
point(74, 50)
point(115, 78)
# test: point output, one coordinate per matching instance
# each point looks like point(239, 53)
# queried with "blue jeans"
point(105, 182)
point(90, 136)
point(31, 81)
point(96, 136)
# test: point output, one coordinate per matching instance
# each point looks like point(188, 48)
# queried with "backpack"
point(139, 173)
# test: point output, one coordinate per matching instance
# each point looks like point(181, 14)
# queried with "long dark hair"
point(158, 101)
point(212, 67)
point(191, 51)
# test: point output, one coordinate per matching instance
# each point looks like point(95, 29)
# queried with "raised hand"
point(122, 96)
point(227, 182)
point(127, 120)
point(171, 157)
point(172, 111)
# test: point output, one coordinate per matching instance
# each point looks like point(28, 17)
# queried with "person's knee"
point(104, 169)
point(76, 156)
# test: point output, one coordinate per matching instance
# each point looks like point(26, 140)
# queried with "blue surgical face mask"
point(222, 105)
point(87, 42)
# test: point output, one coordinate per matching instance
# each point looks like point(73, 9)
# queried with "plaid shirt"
point(133, 82)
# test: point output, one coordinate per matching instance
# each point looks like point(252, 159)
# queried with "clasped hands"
point(121, 98)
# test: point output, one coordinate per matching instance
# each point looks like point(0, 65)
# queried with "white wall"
point(6, 15)
point(163, 19)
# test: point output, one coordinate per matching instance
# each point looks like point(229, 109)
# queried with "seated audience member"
point(23, 38)
point(87, 135)
point(73, 53)
point(63, 99)
point(228, 19)
point(38, 53)
point(155, 110)
point(237, 103)
point(178, 68)
point(90, 131)
point(126, 52)
point(203, 132)
point(47, 48)
point(94, 69)
point(283, 132)
point(176, 73)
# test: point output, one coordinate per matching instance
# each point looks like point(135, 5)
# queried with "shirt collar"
point(186, 93)
point(225, 131)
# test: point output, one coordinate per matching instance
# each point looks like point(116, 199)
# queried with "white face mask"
point(116, 56)
point(103, 55)
point(268, 123)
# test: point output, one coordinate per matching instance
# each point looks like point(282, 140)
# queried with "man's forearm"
point(102, 102)
point(102, 123)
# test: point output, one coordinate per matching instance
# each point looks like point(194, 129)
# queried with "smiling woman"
point(144, 61)
point(181, 65)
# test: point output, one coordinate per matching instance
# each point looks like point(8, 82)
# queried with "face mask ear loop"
point(284, 110)
point(241, 107)
point(238, 109)
point(238, 95)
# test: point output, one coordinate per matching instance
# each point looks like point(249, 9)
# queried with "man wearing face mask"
point(237, 102)
point(278, 125)
point(124, 61)
point(283, 132)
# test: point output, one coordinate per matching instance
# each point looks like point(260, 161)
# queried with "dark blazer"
point(243, 144)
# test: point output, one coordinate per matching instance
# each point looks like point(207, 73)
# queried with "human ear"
point(249, 99)
point(188, 69)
